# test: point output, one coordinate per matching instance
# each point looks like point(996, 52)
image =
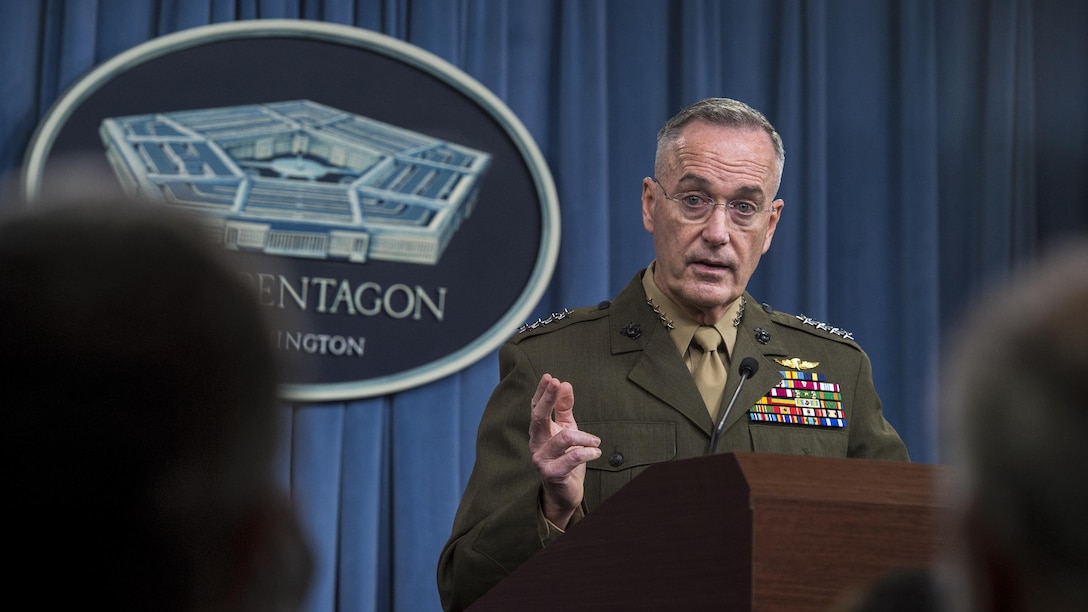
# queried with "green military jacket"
point(633, 390)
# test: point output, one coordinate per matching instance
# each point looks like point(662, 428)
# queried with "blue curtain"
point(932, 145)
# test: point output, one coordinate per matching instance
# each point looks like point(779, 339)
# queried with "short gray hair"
point(720, 111)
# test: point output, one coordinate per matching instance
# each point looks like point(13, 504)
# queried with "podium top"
point(736, 531)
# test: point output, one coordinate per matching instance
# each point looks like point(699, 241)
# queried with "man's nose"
point(717, 225)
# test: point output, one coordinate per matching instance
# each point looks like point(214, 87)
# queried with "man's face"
point(703, 266)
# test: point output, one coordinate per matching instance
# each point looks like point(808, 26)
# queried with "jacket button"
point(615, 460)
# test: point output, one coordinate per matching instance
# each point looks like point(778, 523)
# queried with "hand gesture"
point(560, 450)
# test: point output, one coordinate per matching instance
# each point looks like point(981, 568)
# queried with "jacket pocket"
point(627, 448)
point(798, 440)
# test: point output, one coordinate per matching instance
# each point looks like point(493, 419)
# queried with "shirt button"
point(615, 460)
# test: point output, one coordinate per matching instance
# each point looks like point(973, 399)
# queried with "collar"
point(681, 327)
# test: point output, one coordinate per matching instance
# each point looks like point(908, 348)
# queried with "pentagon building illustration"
point(301, 179)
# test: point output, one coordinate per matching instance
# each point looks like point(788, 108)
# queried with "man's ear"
point(772, 223)
point(648, 203)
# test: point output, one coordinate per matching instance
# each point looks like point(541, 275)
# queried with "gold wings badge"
point(797, 364)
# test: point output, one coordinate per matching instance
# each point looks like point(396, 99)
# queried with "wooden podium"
point(735, 531)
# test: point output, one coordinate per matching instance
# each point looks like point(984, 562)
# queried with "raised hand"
point(560, 450)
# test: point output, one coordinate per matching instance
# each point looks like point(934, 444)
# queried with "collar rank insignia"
point(665, 320)
point(797, 364)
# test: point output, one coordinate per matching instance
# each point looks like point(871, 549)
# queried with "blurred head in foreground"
point(139, 392)
point(1017, 394)
point(905, 589)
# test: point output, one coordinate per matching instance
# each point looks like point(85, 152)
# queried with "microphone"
point(748, 368)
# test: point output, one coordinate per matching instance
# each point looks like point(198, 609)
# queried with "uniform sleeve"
point(497, 526)
point(871, 435)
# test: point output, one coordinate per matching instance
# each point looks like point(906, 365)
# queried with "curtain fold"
point(361, 572)
point(930, 147)
point(317, 464)
point(579, 99)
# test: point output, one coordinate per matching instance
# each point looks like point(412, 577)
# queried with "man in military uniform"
point(650, 386)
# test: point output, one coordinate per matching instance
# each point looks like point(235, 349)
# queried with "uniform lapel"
point(747, 345)
point(659, 369)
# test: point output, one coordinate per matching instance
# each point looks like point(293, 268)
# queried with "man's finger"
point(563, 405)
point(541, 408)
point(564, 442)
point(557, 470)
point(541, 387)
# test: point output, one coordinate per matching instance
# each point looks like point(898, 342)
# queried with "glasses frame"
point(746, 221)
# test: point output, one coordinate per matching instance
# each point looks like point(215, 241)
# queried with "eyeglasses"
point(696, 207)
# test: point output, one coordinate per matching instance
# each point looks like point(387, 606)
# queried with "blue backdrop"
point(931, 145)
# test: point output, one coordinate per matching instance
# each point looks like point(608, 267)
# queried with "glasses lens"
point(693, 206)
point(742, 212)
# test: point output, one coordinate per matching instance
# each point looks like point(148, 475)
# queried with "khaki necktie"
point(709, 371)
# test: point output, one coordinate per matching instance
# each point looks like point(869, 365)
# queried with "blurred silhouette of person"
point(139, 399)
point(1017, 441)
point(899, 590)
